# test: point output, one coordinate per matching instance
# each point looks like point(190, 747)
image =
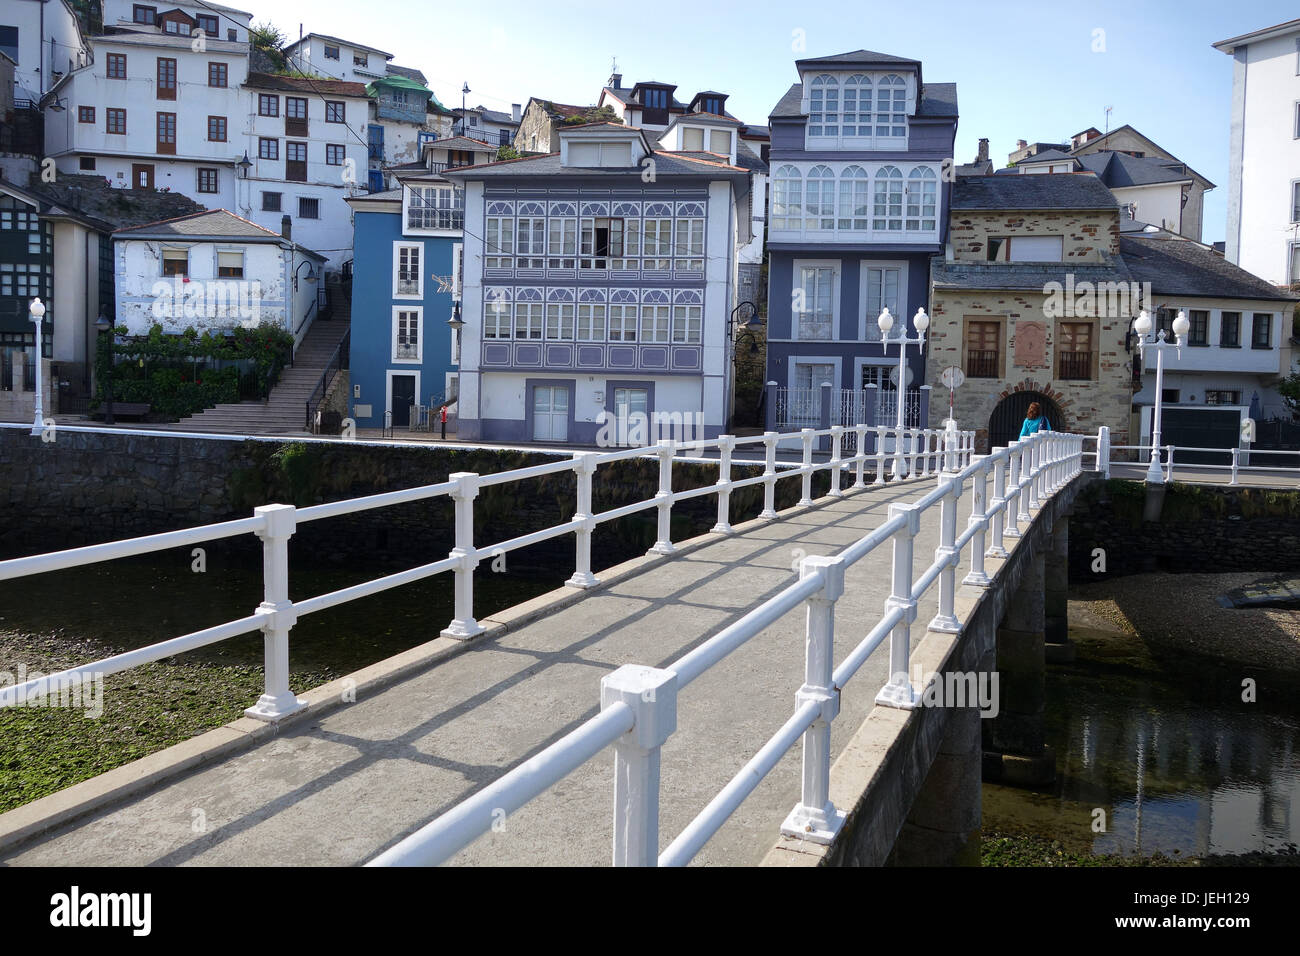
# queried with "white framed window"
point(408, 274)
point(562, 243)
point(408, 342)
point(787, 198)
point(855, 199)
point(921, 199)
point(439, 208)
point(720, 141)
point(591, 322)
point(887, 207)
point(814, 301)
point(528, 320)
point(689, 246)
point(631, 401)
point(500, 242)
point(857, 107)
point(824, 107)
point(1293, 267)
point(655, 316)
point(656, 244)
point(687, 324)
point(1295, 200)
point(820, 201)
point(622, 322)
point(559, 321)
point(496, 314)
point(693, 139)
point(531, 239)
point(882, 285)
point(230, 264)
point(891, 106)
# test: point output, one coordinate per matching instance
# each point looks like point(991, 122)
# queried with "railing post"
point(899, 692)
point(1234, 466)
point(1029, 498)
point(1103, 451)
point(1015, 481)
point(808, 434)
point(726, 443)
point(880, 456)
point(584, 466)
point(769, 476)
point(814, 817)
point(837, 436)
point(861, 457)
point(1169, 471)
point(463, 624)
point(277, 700)
point(652, 695)
point(979, 519)
point(914, 444)
point(664, 543)
point(998, 506)
point(925, 454)
point(946, 620)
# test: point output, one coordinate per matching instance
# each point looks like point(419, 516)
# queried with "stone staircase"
point(284, 412)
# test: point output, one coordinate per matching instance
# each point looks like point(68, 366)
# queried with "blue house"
point(860, 162)
point(405, 279)
point(599, 286)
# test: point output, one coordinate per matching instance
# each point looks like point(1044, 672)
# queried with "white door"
point(806, 396)
point(551, 413)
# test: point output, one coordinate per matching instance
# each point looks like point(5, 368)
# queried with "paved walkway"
point(338, 790)
point(1288, 478)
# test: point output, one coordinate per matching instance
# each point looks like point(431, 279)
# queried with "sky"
point(1021, 73)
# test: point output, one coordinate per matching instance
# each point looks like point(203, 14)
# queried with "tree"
point(507, 152)
point(270, 40)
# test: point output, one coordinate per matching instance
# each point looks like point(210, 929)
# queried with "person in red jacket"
point(443, 417)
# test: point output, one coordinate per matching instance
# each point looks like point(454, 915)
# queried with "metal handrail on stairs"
point(337, 362)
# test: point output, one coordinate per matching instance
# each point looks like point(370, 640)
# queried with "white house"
point(213, 270)
point(1264, 152)
point(44, 40)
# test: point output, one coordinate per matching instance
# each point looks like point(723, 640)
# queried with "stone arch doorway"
point(1009, 416)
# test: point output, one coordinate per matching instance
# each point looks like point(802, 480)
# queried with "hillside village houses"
point(538, 295)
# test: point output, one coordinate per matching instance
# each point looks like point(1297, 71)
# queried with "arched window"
point(857, 106)
point(824, 107)
point(888, 205)
point(787, 199)
point(855, 206)
point(891, 106)
point(921, 183)
point(820, 202)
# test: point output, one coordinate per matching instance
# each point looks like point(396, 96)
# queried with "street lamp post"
point(1142, 326)
point(103, 325)
point(37, 309)
point(886, 322)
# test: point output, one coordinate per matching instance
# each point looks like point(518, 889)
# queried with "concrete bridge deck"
point(338, 788)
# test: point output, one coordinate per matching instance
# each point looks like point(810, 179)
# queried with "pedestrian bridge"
point(671, 689)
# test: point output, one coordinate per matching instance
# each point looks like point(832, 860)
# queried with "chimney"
point(514, 112)
point(983, 156)
point(286, 227)
point(616, 81)
point(1021, 144)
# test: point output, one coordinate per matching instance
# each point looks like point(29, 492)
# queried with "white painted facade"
point(231, 24)
point(1159, 204)
point(338, 59)
point(39, 22)
point(266, 293)
point(1263, 234)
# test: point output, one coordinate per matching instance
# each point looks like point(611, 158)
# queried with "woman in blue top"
point(1035, 421)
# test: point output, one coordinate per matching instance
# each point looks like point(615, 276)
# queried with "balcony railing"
point(982, 363)
point(406, 350)
point(1074, 365)
point(408, 283)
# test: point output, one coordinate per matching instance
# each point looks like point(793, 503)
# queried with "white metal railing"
point(275, 525)
point(639, 704)
point(1237, 461)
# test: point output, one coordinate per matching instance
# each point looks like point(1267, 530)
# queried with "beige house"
point(1032, 302)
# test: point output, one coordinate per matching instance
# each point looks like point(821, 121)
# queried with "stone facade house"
point(542, 120)
point(1032, 301)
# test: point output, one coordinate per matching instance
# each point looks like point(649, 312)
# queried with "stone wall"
point(1089, 235)
point(1201, 529)
point(85, 488)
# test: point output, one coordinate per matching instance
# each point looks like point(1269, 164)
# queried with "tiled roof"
point(1176, 266)
point(302, 84)
point(1031, 276)
point(1042, 191)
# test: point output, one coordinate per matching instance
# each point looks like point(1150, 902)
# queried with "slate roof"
point(1047, 155)
point(461, 142)
point(937, 100)
point(856, 56)
point(210, 224)
point(980, 168)
point(1118, 170)
point(1177, 266)
point(1029, 276)
point(548, 164)
point(409, 73)
point(92, 199)
point(132, 38)
point(348, 43)
point(1042, 191)
point(302, 84)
